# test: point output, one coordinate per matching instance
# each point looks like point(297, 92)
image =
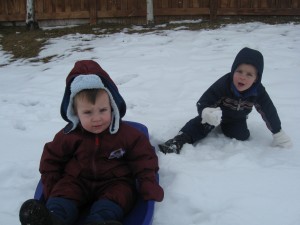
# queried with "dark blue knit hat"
point(252, 57)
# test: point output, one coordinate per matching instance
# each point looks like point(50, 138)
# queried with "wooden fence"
point(96, 10)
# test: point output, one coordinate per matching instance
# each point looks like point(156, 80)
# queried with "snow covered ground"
point(161, 75)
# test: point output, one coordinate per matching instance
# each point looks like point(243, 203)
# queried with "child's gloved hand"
point(212, 116)
point(150, 190)
point(281, 139)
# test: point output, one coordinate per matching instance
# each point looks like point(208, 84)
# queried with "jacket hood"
point(87, 74)
point(254, 58)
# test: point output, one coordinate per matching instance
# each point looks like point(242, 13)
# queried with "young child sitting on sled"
point(96, 159)
point(228, 102)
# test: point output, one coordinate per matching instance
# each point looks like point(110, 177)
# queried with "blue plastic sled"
point(142, 212)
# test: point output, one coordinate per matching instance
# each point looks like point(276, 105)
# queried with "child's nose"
point(243, 76)
point(97, 117)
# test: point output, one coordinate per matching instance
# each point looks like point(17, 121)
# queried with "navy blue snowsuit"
point(235, 105)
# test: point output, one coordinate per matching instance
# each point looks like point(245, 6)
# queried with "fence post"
point(31, 23)
point(213, 9)
point(150, 17)
point(93, 12)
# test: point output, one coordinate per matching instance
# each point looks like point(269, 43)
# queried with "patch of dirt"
point(26, 44)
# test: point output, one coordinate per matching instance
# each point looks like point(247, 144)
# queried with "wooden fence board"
point(295, 4)
point(257, 7)
point(165, 3)
point(195, 3)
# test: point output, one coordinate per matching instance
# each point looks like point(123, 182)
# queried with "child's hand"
point(212, 116)
point(150, 190)
point(280, 139)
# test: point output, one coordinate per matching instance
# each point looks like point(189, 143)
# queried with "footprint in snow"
point(19, 125)
point(30, 103)
point(125, 79)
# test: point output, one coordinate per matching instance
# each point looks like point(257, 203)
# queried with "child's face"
point(244, 76)
point(94, 118)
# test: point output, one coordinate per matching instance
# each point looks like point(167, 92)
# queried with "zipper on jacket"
point(97, 142)
point(239, 105)
point(97, 145)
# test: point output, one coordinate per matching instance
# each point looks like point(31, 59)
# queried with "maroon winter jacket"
point(128, 153)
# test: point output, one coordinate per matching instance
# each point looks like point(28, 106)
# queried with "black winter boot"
point(175, 144)
point(33, 212)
